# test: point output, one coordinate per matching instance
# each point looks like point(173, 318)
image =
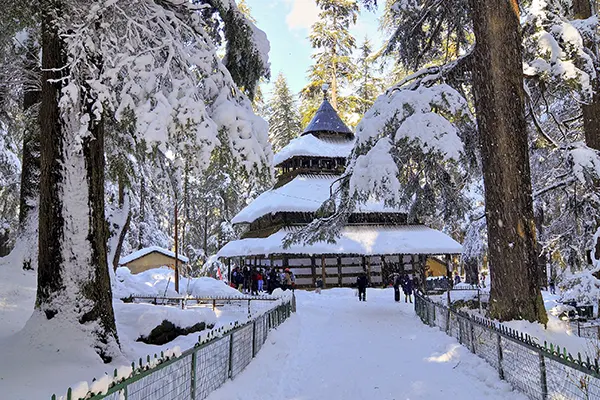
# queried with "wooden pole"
point(313, 270)
point(449, 274)
point(323, 274)
point(176, 250)
point(229, 270)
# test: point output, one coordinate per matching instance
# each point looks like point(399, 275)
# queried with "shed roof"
point(355, 240)
point(304, 193)
point(326, 119)
point(312, 146)
point(148, 250)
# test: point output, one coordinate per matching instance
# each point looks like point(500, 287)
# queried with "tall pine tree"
point(333, 63)
point(284, 118)
point(368, 84)
point(500, 105)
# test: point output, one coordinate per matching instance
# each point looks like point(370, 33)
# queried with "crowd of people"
point(255, 281)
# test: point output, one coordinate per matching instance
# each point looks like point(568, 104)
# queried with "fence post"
point(472, 329)
point(460, 330)
point(230, 354)
point(543, 379)
point(293, 302)
point(254, 339)
point(499, 344)
point(193, 391)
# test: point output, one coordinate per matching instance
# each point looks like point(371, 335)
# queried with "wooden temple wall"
point(339, 271)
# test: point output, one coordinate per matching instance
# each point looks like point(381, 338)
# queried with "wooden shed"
point(151, 257)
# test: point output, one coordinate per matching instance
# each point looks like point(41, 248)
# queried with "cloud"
point(303, 14)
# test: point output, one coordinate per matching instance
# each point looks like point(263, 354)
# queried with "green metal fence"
point(198, 371)
point(539, 371)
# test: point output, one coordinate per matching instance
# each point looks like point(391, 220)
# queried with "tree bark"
point(30, 165)
point(73, 279)
point(51, 221)
point(122, 229)
point(499, 101)
point(582, 9)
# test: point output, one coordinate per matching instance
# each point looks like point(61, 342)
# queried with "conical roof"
point(327, 120)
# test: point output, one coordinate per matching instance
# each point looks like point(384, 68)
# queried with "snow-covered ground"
point(38, 359)
point(336, 347)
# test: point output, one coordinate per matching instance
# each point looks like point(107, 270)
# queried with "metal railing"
point(539, 371)
point(207, 300)
point(198, 371)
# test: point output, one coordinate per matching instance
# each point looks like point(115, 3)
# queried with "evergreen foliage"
point(283, 116)
point(368, 83)
point(333, 63)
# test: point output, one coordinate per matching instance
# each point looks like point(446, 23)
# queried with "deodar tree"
point(500, 105)
point(150, 65)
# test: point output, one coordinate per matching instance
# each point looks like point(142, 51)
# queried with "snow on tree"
point(283, 116)
point(176, 93)
point(414, 150)
point(423, 31)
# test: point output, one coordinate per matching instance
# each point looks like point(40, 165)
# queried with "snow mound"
point(135, 320)
point(161, 282)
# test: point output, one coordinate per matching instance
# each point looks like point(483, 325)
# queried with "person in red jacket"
point(260, 281)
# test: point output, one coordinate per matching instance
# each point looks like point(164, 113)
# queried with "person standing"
point(361, 282)
point(260, 281)
point(456, 278)
point(407, 288)
point(396, 284)
point(552, 285)
point(287, 280)
point(319, 285)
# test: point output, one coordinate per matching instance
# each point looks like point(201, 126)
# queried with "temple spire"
point(325, 88)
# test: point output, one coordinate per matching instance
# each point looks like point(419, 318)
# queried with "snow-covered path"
point(336, 347)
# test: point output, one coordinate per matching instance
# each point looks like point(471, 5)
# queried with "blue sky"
point(287, 25)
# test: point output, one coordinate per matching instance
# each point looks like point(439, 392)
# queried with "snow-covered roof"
point(304, 193)
point(362, 239)
point(312, 146)
point(326, 119)
point(145, 251)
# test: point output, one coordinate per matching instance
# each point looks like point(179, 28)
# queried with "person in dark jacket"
point(273, 280)
point(362, 282)
point(407, 288)
point(319, 285)
point(396, 280)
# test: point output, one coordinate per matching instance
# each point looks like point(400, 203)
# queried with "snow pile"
point(135, 320)
point(161, 282)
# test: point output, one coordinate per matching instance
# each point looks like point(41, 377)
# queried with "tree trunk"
point(334, 82)
point(73, 279)
point(591, 111)
point(499, 101)
point(121, 229)
point(30, 165)
point(142, 216)
point(31, 141)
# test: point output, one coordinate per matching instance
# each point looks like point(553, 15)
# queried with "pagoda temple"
point(376, 240)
